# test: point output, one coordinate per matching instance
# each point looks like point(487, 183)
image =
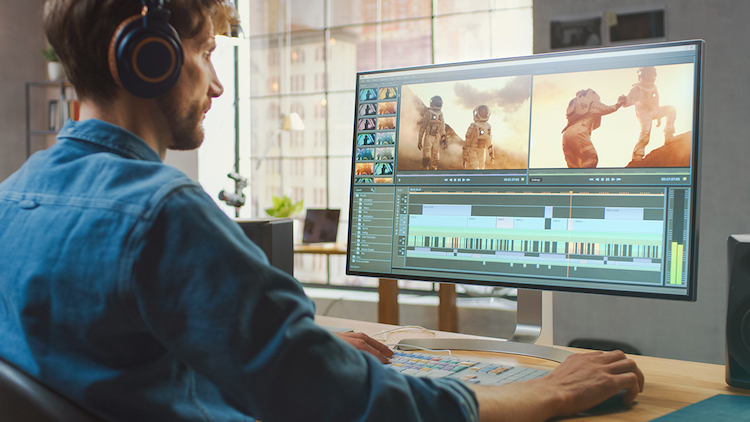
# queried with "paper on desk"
point(719, 408)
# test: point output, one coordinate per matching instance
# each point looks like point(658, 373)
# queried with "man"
point(127, 290)
point(431, 133)
point(645, 97)
point(584, 114)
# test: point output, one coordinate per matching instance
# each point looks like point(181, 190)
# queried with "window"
point(342, 37)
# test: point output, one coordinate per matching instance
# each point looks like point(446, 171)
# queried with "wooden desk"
point(388, 291)
point(387, 288)
point(670, 384)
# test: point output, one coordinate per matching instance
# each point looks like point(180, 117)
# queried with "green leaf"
point(298, 207)
point(49, 54)
point(284, 207)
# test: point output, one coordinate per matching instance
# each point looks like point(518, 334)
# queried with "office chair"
point(24, 399)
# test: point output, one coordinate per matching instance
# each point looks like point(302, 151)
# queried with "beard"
point(185, 124)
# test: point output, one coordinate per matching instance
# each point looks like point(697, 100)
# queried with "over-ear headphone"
point(145, 54)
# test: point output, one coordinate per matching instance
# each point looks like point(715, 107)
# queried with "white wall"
point(20, 62)
point(692, 331)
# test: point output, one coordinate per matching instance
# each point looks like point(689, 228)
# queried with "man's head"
point(80, 31)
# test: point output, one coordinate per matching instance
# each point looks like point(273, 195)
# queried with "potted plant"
point(283, 207)
point(55, 69)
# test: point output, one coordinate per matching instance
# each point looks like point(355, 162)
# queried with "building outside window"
point(304, 56)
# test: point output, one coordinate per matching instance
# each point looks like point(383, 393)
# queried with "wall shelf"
point(55, 91)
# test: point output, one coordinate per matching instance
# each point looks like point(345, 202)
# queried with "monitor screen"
point(572, 171)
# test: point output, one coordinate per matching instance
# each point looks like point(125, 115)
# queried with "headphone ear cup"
point(146, 61)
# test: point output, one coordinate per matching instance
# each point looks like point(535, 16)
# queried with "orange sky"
point(615, 139)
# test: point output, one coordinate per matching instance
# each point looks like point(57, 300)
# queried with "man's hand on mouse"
point(588, 379)
point(581, 382)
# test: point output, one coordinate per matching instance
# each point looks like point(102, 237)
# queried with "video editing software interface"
point(567, 171)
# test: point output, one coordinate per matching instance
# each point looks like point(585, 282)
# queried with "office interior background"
point(301, 56)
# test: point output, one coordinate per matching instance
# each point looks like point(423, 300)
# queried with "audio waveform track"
point(613, 235)
point(508, 245)
point(595, 249)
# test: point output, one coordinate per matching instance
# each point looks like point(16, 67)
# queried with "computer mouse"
point(611, 405)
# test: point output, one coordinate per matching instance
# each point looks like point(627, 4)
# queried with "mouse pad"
point(719, 408)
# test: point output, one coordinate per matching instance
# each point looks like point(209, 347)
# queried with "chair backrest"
point(24, 399)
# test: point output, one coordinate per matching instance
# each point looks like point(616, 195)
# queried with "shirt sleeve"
point(210, 297)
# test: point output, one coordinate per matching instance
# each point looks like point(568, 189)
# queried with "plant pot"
point(55, 71)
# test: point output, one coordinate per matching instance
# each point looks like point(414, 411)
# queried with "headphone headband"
point(155, 9)
point(145, 54)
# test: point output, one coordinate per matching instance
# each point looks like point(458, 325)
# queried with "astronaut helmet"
point(436, 102)
point(588, 95)
point(585, 100)
point(481, 113)
point(647, 75)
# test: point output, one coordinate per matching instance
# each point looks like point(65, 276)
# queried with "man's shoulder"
point(157, 179)
point(102, 180)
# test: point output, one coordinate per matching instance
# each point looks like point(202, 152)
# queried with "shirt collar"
point(109, 136)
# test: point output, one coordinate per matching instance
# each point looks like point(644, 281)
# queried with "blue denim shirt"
point(125, 288)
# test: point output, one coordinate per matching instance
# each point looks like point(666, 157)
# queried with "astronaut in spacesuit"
point(584, 114)
point(645, 97)
point(478, 140)
point(431, 132)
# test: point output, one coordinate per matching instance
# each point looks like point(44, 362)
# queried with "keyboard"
point(468, 371)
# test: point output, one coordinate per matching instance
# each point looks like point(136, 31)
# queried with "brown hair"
point(80, 32)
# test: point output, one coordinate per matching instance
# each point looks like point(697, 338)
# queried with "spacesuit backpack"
point(579, 106)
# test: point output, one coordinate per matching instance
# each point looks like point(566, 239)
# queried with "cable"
point(420, 348)
point(330, 305)
point(386, 333)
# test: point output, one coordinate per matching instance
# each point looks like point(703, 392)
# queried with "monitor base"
point(485, 345)
point(529, 318)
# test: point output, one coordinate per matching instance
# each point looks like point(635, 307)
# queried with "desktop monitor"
point(575, 171)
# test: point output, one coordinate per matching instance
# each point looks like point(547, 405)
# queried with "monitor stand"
point(528, 330)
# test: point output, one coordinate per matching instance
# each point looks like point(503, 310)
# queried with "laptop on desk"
point(321, 226)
